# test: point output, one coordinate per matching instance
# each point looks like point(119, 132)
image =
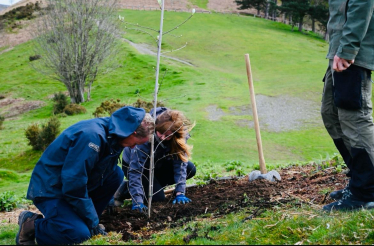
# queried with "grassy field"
point(284, 63)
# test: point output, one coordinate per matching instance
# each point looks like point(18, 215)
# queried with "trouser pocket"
point(347, 88)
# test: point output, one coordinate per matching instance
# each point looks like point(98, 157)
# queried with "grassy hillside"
point(283, 62)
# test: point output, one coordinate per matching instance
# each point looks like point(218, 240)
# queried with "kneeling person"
point(77, 175)
point(171, 162)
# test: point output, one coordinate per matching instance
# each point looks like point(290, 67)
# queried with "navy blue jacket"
point(81, 158)
point(138, 159)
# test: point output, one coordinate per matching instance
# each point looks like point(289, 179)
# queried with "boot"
point(337, 194)
point(26, 232)
point(349, 202)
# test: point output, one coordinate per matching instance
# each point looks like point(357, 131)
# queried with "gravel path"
point(276, 114)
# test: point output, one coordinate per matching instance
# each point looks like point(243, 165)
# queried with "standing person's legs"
point(358, 126)
point(330, 117)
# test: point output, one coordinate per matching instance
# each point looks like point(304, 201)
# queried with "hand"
point(99, 229)
point(181, 199)
point(140, 207)
point(341, 64)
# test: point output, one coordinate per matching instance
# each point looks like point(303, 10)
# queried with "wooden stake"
point(255, 117)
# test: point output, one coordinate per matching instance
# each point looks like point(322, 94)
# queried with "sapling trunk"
point(151, 165)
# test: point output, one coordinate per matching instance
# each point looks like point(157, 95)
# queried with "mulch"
point(308, 184)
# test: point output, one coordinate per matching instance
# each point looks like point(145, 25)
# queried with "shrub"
point(73, 109)
point(49, 132)
point(2, 118)
point(111, 105)
point(35, 57)
point(61, 101)
point(146, 105)
point(108, 107)
point(8, 201)
point(40, 138)
point(32, 132)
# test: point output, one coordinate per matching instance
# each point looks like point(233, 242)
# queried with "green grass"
point(283, 225)
point(200, 3)
point(8, 233)
point(284, 63)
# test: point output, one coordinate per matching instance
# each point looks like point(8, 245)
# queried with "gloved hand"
point(99, 229)
point(140, 207)
point(181, 198)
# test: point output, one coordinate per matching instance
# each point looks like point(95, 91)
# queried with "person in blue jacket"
point(171, 158)
point(77, 175)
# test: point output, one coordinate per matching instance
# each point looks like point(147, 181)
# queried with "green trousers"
point(352, 131)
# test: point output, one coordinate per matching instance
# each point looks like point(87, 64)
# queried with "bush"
point(61, 101)
point(146, 105)
point(111, 105)
point(40, 138)
point(35, 57)
point(2, 118)
point(108, 107)
point(8, 201)
point(32, 132)
point(73, 109)
point(49, 132)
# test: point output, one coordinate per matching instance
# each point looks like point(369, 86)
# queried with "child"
point(170, 158)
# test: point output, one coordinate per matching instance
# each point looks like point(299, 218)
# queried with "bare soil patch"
point(12, 107)
point(220, 197)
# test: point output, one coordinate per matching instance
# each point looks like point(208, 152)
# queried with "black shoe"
point(348, 202)
point(337, 195)
point(26, 232)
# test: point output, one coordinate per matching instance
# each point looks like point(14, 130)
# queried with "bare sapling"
point(157, 36)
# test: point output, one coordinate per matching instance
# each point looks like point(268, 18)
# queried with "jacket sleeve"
point(180, 175)
point(79, 162)
point(359, 15)
point(138, 160)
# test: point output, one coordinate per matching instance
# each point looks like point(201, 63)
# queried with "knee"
point(191, 170)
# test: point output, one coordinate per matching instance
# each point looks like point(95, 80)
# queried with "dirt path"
point(147, 50)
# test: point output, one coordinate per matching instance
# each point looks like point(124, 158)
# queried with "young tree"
point(74, 38)
point(248, 4)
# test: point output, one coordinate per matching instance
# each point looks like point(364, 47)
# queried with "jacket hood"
point(125, 121)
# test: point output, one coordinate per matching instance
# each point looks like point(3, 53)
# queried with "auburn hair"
point(180, 126)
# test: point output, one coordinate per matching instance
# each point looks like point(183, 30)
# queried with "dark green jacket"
point(351, 31)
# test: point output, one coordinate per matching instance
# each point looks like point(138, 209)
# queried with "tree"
point(319, 12)
point(74, 38)
point(248, 4)
point(297, 9)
